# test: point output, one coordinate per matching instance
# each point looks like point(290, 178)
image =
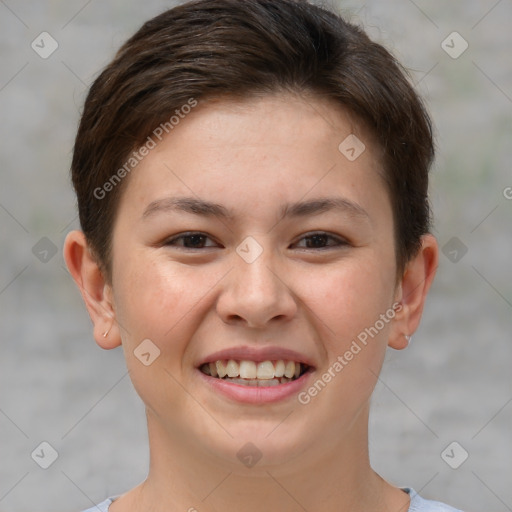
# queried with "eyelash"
point(340, 242)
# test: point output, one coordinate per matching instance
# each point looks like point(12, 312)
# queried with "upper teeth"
point(265, 370)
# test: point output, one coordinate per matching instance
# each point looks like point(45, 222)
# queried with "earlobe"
point(95, 291)
point(412, 292)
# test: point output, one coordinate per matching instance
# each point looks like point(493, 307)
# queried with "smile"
point(250, 373)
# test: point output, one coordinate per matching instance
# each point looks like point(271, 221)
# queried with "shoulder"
point(101, 507)
point(419, 504)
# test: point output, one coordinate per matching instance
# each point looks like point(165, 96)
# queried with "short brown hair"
point(233, 48)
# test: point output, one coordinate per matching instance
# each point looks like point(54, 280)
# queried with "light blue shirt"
point(418, 504)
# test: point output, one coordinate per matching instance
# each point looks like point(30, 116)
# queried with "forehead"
point(276, 148)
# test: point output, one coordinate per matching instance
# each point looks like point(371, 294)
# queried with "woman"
point(252, 184)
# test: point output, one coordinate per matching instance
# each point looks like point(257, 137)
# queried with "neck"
point(331, 478)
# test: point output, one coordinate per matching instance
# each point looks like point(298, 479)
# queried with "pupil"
point(317, 240)
point(196, 240)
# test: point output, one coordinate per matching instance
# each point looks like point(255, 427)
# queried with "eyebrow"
point(204, 208)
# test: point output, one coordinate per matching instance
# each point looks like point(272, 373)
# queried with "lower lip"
point(257, 394)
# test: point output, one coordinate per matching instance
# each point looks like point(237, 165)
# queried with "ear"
point(97, 294)
point(412, 290)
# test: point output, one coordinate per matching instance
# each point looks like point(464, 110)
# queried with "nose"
point(256, 294)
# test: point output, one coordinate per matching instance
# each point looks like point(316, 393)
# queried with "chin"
point(261, 445)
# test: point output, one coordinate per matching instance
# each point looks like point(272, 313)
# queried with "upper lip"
point(245, 353)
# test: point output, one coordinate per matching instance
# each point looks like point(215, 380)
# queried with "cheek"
point(347, 304)
point(349, 297)
point(159, 299)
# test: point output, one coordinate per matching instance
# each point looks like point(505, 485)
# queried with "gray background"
point(453, 383)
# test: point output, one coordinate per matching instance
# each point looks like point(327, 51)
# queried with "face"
point(247, 235)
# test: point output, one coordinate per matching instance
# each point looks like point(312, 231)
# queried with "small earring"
point(105, 334)
point(408, 338)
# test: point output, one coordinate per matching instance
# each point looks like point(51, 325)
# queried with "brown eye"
point(322, 241)
point(189, 241)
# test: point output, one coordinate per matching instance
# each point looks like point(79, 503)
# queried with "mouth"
point(255, 374)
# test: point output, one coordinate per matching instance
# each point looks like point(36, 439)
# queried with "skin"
point(253, 157)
